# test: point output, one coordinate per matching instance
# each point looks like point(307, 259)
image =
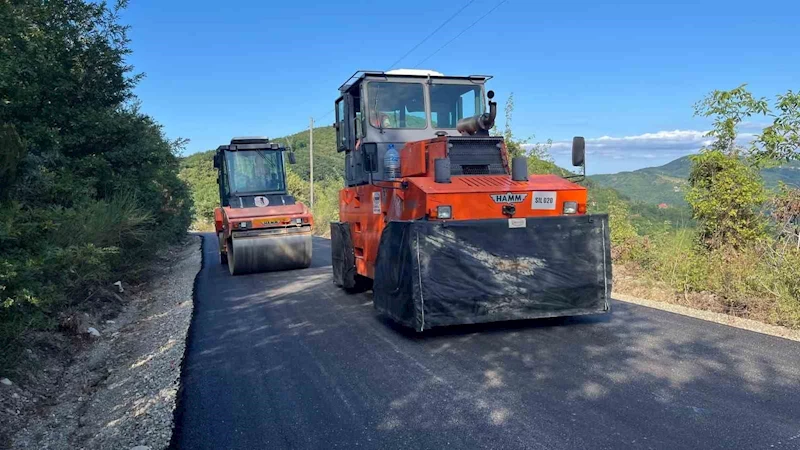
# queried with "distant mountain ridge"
point(668, 183)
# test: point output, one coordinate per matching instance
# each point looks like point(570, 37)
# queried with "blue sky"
point(624, 75)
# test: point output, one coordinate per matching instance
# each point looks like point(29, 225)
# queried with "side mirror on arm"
point(578, 151)
point(292, 159)
point(370, 151)
point(216, 160)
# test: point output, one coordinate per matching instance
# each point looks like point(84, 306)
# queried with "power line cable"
point(462, 32)
point(448, 20)
point(431, 35)
point(324, 115)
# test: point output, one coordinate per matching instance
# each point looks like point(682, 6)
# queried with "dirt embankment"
point(112, 383)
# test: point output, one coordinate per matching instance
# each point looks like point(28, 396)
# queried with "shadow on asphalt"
point(491, 327)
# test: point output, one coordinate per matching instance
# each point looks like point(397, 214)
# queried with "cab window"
point(453, 102)
point(396, 105)
point(341, 136)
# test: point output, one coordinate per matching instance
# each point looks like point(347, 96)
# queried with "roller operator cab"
point(260, 227)
point(446, 228)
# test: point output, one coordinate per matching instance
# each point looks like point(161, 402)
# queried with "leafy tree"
point(725, 193)
point(513, 145)
point(298, 187)
point(538, 154)
point(10, 159)
point(326, 204)
point(199, 173)
point(781, 140)
point(89, 183)
point(729, 109)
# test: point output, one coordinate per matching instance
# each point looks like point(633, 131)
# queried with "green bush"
point(326, 205)
point(88, 184)
point(725, 196)
point(198, 172)
point(297, 186)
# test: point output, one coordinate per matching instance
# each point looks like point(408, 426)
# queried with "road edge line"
point(177, 412)
point(710, 316)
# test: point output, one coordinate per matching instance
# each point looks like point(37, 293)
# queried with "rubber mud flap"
point(343, 259)
point(432, 274)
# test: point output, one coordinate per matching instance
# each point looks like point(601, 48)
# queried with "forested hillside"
point(328, 164)
point(668, 183)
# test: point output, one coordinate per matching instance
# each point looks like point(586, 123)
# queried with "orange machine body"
point(272, 219)
point(417, 196)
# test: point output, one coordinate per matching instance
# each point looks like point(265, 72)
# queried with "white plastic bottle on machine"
point(391, 163)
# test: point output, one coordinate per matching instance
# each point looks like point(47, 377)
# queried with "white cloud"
point(657, 145)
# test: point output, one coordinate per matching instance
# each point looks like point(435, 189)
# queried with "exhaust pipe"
point(480, 124)
point(441, 170)
point(519, 168)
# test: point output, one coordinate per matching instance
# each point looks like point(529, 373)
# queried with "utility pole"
point(311, 160)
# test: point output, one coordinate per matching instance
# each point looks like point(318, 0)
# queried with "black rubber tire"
point(362, 284)
point(223, 254)
point(336, 265)
point(343, 259)
point(231, 257)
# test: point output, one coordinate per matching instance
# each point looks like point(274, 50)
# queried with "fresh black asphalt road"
point(287, 360)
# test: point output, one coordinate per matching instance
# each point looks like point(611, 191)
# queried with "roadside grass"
point(760, 281)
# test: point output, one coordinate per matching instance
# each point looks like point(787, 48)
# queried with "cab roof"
point(250, 140)
point(360, 75)
point(251, 143)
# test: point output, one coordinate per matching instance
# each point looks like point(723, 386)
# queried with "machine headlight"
point(444, 212)
point(570, 207)
point(244, 224)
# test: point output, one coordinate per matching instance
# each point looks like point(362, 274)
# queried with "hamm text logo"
point(508, 198)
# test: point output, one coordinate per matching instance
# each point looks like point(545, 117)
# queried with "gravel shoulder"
point(116, 390)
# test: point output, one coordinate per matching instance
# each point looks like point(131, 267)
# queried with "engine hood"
point(296, 209)
point(494, 183)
